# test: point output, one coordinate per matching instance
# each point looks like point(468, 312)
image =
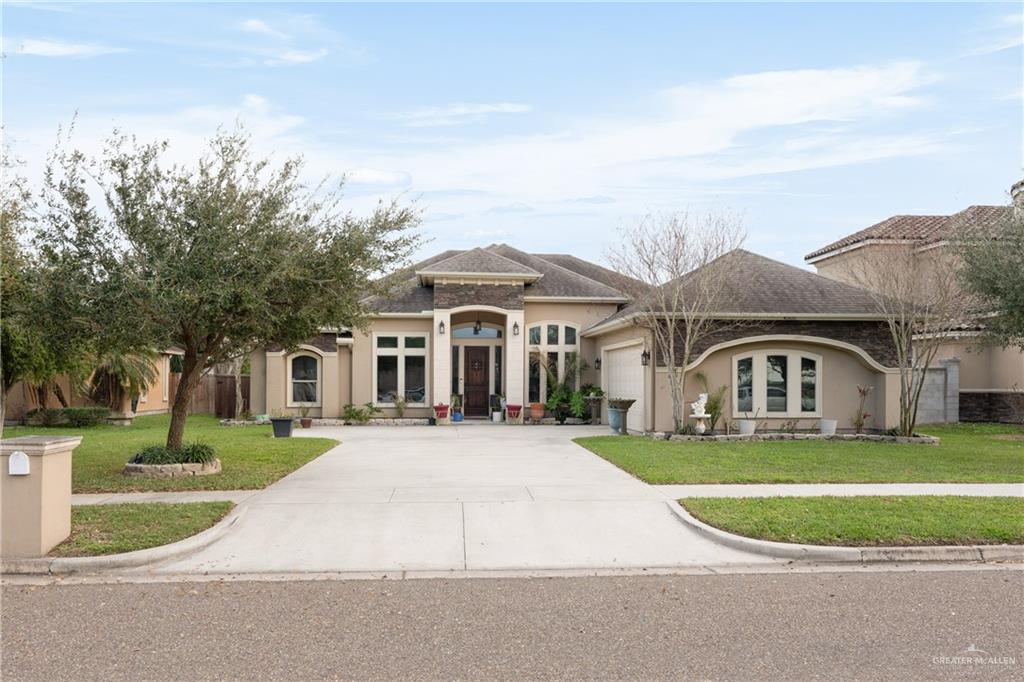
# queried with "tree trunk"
point(191, 372)
point(236, 370)
point(59, 392)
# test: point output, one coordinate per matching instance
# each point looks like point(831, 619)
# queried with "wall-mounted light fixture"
point(477, 326)
point(440, 327)
point(645, 358)
point(597, 364)
point(515, 329)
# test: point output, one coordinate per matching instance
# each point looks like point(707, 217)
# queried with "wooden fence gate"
point(224, 395)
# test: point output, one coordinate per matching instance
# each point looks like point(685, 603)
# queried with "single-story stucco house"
point(478, 323)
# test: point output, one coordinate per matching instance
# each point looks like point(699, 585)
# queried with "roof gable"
point(476, 262)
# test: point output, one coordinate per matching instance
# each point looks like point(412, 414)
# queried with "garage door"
point(625, 379)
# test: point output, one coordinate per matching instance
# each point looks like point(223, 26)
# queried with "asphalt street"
point(898, 626)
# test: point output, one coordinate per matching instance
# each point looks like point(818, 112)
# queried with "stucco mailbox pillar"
point(35, 493)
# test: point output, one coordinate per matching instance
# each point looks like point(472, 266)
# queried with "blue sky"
point(550, 126)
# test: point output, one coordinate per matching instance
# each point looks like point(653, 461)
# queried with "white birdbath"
point(700, 414)
point(700, 427)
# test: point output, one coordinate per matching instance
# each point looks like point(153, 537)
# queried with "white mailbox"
point(17, 464)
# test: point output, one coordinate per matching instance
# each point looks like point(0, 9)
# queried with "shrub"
point(687, 430)
point(85, 416)
point(153, 454)
point(197, 453)
point(45, 416)
point(193, 453)
point(577, 404)
point(354, 414)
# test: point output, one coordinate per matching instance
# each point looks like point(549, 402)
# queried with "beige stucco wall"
point(258, 382)
point(983, 367)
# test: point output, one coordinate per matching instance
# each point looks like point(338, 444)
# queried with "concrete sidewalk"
point(236, 496)
point(676, 492)
point(457, 499)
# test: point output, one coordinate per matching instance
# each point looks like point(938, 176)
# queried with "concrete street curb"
point(786, 550)
point(142, 557)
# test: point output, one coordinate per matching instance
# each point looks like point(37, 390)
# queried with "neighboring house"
point(23, 397)
point(991, 379)
point(479, 322)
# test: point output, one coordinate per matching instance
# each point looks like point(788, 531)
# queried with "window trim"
point(543, 348)
point(289, 400)
point(401, 353)
point(794, 385)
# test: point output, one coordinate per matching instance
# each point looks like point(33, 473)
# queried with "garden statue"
point(699, 412)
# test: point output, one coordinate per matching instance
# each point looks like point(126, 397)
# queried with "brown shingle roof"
point(761, 286)
point(478, 260)
point(615, 280)
point(917, 228)
point(557, 281)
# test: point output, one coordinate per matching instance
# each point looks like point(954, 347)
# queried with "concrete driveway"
point(468, 497)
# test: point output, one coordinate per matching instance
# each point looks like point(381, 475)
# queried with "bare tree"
point(919, 295)
point(678, 260)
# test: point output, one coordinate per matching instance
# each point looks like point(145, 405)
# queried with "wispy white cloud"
point(455, 114)
point(261, 27)
point(292, 57)
point(46, 47)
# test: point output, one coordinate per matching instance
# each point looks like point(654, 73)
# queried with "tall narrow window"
point(776, 380)
point(555, 344)
point(808, 385)
point(497, 370)
point(535, 335)
point(534, 378)
point(387, 378)
point(455, 371)
point(745, 384)
point(554, 372)
point(304, 379)
point(415, 378)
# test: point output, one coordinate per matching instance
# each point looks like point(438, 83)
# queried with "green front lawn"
point(867, 521)
point(250, 457)
point(976, 453)
point(114, 528)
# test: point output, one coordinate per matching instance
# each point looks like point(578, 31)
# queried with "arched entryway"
point(478, 360)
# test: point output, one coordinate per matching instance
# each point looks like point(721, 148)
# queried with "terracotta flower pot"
point(306, 422)
point(537, 411)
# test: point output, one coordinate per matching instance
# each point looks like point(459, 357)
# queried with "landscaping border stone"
point(171, 470)
point(735, 437)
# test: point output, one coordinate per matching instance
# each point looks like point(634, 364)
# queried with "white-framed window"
point(305, 378)
point(551, 344)
point(400, 368)
point(776, 383)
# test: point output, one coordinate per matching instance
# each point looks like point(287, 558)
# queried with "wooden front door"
point(476, 384)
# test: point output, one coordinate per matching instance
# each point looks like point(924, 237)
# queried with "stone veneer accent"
point(872, 336)
point(328, 343)
point(171, 470)
point(1007, 408)
point(508, 296)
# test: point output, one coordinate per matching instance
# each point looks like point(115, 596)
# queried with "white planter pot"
point(495, 416)
point(828, 427)
point(746, 426)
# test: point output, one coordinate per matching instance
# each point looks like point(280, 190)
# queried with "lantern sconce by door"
point(440, 327)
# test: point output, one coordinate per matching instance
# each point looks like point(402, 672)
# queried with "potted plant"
point(617, 409)
point(512, 413)
point(747, 427)
point(827, 427)
point(304, 418)
point(441, 413)
point(497, 405)
point(456, 408)
point(282, 424)
point(536, 411)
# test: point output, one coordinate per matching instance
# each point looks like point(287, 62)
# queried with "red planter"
point(306, 422)
point(441, 411)
point(513, 412)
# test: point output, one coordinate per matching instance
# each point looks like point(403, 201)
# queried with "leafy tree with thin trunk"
point(993, 256)
point(217, 258)
point(919, 296)
point(679, 261)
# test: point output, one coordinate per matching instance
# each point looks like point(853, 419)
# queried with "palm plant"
point(118, 377)
point(716, 399)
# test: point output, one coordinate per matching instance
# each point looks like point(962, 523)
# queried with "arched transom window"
point(554, 348)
